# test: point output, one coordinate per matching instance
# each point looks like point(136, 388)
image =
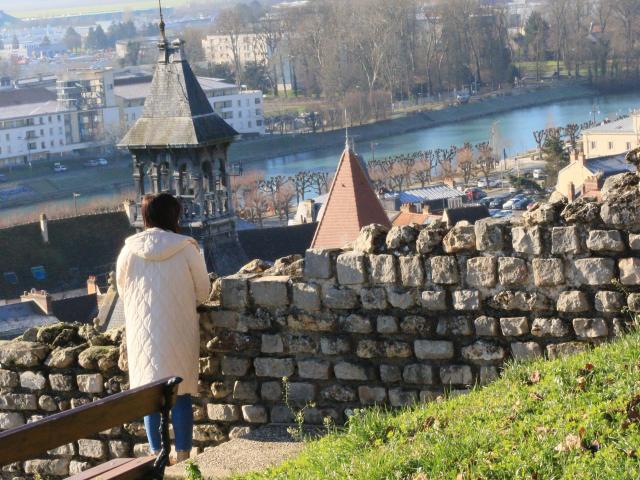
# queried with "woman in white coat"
point(162, 277)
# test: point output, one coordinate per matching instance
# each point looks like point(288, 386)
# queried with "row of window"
point(28, 122)
point(628, 146)
point(33, 146)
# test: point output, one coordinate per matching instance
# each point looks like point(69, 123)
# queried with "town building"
point(350, 205)
point(612, 138)
point(436, 197)
point(249, 47)
point(585, 176)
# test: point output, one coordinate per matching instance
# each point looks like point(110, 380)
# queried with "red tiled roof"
point(407, 218)
point(351, 205)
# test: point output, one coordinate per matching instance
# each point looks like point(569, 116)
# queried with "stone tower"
point(179, 145)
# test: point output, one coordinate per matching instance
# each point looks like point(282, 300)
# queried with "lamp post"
point(75, 202)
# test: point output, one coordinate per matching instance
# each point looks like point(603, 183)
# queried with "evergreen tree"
point(72, 39)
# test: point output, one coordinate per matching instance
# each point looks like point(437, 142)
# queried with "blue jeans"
point(182, 421)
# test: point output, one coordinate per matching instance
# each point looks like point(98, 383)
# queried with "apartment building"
point(612, 138)
point(251, 47)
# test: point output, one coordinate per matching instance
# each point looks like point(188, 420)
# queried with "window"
point(52, 143)
point(44, 145)
point(258, 111)
point(32, 146)
point(8, 137)
point(258, 123)
point(593, 145)
point(239, 103)
point(41, 119)
point(258, 100)
point(239, 113)
point(610, 145)
point(59, 118)
point(42, 132)
point(249, 124)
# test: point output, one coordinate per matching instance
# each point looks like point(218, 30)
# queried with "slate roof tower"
point(179, 145)
point(351, 204)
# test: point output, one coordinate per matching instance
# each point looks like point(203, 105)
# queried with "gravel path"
point(262, 448)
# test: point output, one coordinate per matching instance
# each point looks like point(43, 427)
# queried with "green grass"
point(572, 423)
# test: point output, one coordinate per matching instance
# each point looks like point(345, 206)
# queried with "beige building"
point(251, 47)
point(612, 138)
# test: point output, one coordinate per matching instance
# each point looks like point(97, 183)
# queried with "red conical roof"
point(351, 205)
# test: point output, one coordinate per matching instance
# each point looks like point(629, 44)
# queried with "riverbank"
point(271, 146)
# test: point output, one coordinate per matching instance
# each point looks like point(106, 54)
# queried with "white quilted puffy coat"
point(162, 277)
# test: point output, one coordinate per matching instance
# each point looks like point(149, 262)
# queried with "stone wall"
point(398, 318)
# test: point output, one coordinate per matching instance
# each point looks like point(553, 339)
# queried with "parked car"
point(497, 202)
point(474, 194)
point(485, 201)
point(537, 173)
point(58, 167)
point(91, 163)
point(103, 162)
point(521, 203)
point(508, 205)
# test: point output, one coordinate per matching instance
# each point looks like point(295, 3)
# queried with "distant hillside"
point(6, 19)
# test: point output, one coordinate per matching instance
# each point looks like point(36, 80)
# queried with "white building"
point(242, 109)
point(250, 47)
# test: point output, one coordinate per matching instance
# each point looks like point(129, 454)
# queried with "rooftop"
point(425, 194)
point(624, 125)
point(138, 87)
point(609, 165)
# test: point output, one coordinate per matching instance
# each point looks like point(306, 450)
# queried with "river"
point(512, 132)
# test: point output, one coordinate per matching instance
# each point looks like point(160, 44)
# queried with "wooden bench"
point(31, 440)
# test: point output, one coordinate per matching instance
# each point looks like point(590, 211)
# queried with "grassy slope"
point(508, 430)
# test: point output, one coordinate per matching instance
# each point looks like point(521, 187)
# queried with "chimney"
point(41, 298)
point(408, 208)
point(44, 228)
point(571, 194)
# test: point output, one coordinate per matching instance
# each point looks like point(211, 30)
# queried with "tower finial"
point(346, 131)
point(161, 25)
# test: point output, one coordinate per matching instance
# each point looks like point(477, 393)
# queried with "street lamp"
point(75, 202)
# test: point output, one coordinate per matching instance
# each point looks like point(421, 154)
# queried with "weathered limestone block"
point(11, 420)
point(454, 326)
point(68, 450)
point(316, 322)
point(433, 349)
point(301, 392)
point(103, 358)
point(523, 301)
point(433, 300)
point(118, 449)
point(563, 349)
point(481, 272)
point(633, 302)
point(390, 373)
point(338, 393)
point(514, 326)
point(142, 450)
point(525, 350)
point(488, 375)
point(590, 327)
point(208, 433)
point(396, 349)
point(483, 353)
point(245, 391)
point(298, 343)
point(306, 296)
point(609, 302)
point(467, 300)
point(401, 298)
point(23, 354)
point(621, 206)
point(18, 401)
point(9, 379)
point(428, 240)
point(58, 467)
point(581, 211)
point(271, 391)
point(272, 343)
point(339, 298)
point(32, 380)
point(369, 349)
point(316, 369)
point(573, 301)
point(629, 271)
point(456, 375)
point(634, 241)
point(47, 403)
point(274, 367)
point(418, 373)
point(489, 234)
point(92, 448)
point(351, 268)
point(605, 241)
point(411, 271)
point(540, 214)
point(416, 325)
point(512, 271)
point(401, 237)
point(62, 357)
point(444, 270)
point(459, 239)
point(565, 240)
point(220, 390)
point(549, 327)
point(527, 240)
point(374, 298)
point(318, 264)
point(254, 414)
point(594, 271)
point(349, 371)
point(335, 346)
point(402, 398)
point(371, 239)
point(223, 412)
point(372, 395)
point(61, 383)
point(386, 324)
point(235, 366)
point(383, 269)
point(91, 383)
point(548, 272)
point(270, 291)
point(486, 326)
point(234, 291)
point(355, 324)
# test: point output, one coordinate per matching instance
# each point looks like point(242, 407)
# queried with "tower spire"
point(161, 25)
point(346, 131)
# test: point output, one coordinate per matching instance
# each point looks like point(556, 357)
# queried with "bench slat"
point(31, 440)
point(100, 469)
point(138, 468)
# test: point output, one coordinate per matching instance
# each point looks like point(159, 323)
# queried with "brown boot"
point(181, 456)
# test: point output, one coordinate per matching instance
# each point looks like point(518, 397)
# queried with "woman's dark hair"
point(161, 211)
